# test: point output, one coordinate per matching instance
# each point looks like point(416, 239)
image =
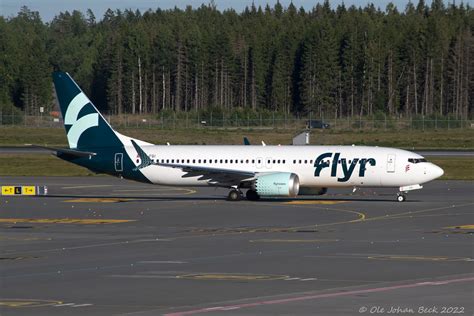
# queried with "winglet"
point(144, 158)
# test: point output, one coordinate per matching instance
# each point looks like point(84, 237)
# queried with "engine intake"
point(277, 184)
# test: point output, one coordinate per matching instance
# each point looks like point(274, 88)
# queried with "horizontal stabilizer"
point(72, 152)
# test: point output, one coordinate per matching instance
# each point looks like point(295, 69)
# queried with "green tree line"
point(333, 62)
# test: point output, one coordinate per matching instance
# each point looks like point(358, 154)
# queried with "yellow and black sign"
point(28, 190)
point(10, 190)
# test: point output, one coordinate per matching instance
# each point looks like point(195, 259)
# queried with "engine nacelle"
point(277, 184)
point(312, 191)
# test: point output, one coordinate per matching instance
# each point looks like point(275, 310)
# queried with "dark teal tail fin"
point(86, 128)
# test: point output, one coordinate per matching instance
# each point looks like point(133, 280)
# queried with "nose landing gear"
point(401, 197)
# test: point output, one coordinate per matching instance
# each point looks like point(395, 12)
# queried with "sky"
point(50, 8)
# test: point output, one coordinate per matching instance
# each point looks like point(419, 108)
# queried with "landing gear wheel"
point(234, 195)
point(252, 195)
point(401, 197)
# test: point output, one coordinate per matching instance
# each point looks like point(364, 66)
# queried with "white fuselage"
point(337, 166)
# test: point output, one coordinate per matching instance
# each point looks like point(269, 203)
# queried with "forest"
point(333, 62)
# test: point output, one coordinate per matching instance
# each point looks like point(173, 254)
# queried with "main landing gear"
point(234, 195)
point(252, 195)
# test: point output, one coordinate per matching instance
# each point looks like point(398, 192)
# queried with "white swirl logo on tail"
point(79, 126)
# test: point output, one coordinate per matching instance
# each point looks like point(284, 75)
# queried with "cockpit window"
point(417, 160)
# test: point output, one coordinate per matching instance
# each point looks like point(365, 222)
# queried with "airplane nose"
point(436, 171)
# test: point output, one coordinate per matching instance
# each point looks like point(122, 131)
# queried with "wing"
point(216, 176)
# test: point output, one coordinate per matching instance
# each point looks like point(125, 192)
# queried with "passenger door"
point(390, 163)
point(118, 162)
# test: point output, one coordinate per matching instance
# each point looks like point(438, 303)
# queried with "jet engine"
point(277, 184)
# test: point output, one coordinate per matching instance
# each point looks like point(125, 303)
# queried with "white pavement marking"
point(82, 305)
point(162, 262)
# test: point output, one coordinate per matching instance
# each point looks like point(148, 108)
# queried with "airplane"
point(263, 171)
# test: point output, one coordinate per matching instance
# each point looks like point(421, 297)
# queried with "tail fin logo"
point(79, 126)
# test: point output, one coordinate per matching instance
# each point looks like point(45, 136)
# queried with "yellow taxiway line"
point(85, 221)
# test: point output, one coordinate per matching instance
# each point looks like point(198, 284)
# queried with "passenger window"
point(278, 161)
point(284, 161)
point(247, 161)
point(226, 161)
point(299, 161)
point(294, 161)
point(311, 161)
point(194, 160)
point(167, 161)
point(306, 161)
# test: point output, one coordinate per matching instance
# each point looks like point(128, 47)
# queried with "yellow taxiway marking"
point(460, 227)
point(98, 200)
point(12, 302)
point(313, 202)
point(294, 240)
point(187, 191)
point(84, 221)
point(87, 186)
point(417, 258)
point(23, 238)
point(232, 277)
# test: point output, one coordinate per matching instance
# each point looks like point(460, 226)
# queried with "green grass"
point(38, 165)
point(455, 168)
point(436, 139)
